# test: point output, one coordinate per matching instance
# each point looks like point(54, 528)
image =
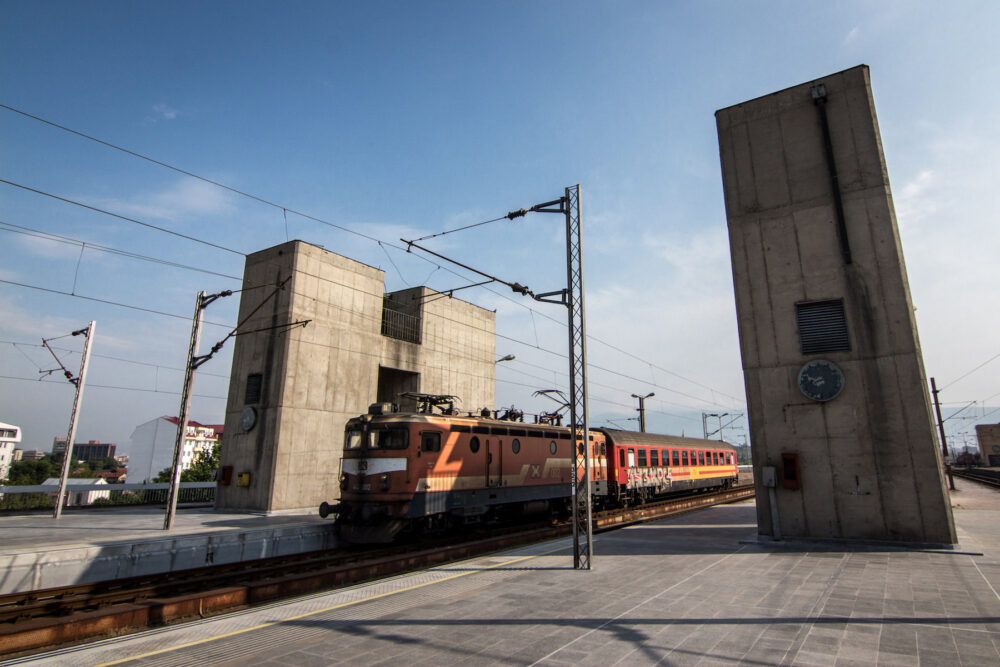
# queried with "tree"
point(32, 473)
point(204, 466)
point(201, 470)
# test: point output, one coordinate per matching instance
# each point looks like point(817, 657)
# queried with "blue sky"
point(398, 119)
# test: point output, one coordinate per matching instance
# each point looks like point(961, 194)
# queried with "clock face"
point(248, 418)
point(821, 380)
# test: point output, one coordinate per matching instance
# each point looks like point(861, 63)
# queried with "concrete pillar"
point(822, 300)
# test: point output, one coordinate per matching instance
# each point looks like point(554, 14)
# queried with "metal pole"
point(642, 409)
point(68, 454)
point(182, 419)
point(583, 550)
point(944, 443)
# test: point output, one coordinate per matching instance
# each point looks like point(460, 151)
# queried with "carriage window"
point(713, 458)
point(642, 458)
point(631, 457)
point(354, 439)
point(654, 457)
point(701, 458)
point(474, 444)
point(430, 442)
point(390, 438)
point(621, 457)
point(675, 457)
point(684, 456)
point(515, 445)
point(665, 457)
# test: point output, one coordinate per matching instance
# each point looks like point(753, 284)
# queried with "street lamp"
point(642, 409)
point(509, 357)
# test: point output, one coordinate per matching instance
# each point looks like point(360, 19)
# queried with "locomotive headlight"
point(343, 482)
point(385, 480)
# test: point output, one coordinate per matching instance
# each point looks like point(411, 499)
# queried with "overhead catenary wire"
point(105, 386)
point(108, 302)
point(121, 217)
point(58, 238)
point(15, 344)
point(286, 209)
point(968, 373)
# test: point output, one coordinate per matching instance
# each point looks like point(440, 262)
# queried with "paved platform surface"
point(38, 551)
point(682, 591)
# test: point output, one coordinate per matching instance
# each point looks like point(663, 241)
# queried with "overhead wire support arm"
point(517, 287)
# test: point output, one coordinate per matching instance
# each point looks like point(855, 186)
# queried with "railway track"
point(988, 477)
point(34, 620)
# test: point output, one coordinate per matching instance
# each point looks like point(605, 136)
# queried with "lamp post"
point(508, 357)
point(642, 409)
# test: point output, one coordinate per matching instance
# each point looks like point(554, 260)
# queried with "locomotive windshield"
point(354, 439)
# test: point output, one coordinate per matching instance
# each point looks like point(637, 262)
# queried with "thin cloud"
point(183, 200)
point(164, 111)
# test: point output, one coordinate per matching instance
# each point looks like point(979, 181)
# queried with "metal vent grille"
point(822, 326)
point(252, 395)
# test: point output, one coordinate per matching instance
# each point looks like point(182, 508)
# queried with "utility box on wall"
point(835, 383)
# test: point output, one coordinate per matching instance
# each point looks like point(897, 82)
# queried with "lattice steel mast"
point(572, 298)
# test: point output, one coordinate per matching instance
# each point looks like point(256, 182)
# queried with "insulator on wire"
point(520, 213)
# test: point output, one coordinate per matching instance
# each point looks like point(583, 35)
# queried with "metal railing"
point(22, 498)
point(400, 325)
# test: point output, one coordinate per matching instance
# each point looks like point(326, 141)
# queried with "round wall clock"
point(248, 418)
point(821, 380)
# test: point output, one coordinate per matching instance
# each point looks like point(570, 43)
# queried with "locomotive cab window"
point(390, 438)
point(354, 439)
point(430, 442)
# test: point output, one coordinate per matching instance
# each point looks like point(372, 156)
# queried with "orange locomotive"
point(402, 472)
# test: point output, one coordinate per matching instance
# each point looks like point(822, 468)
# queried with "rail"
point(987, 477)
point(36, 619)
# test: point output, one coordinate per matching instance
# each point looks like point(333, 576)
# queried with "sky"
point(400, 119)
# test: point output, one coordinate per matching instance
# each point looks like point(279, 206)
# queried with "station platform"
point(38, 551)
point(693, 589)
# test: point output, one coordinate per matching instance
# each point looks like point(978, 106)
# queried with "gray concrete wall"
point(316, 378)
point(870, 462)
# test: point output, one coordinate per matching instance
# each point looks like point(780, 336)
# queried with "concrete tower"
point(836, 389)
point(292, 390)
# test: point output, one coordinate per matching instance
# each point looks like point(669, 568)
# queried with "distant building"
point(151, 446)
point(10, 435)
point(989, 443)
point(79, 497)
point(113, 476)
point(94, 449)
point(85, 451)
point(32, 455)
